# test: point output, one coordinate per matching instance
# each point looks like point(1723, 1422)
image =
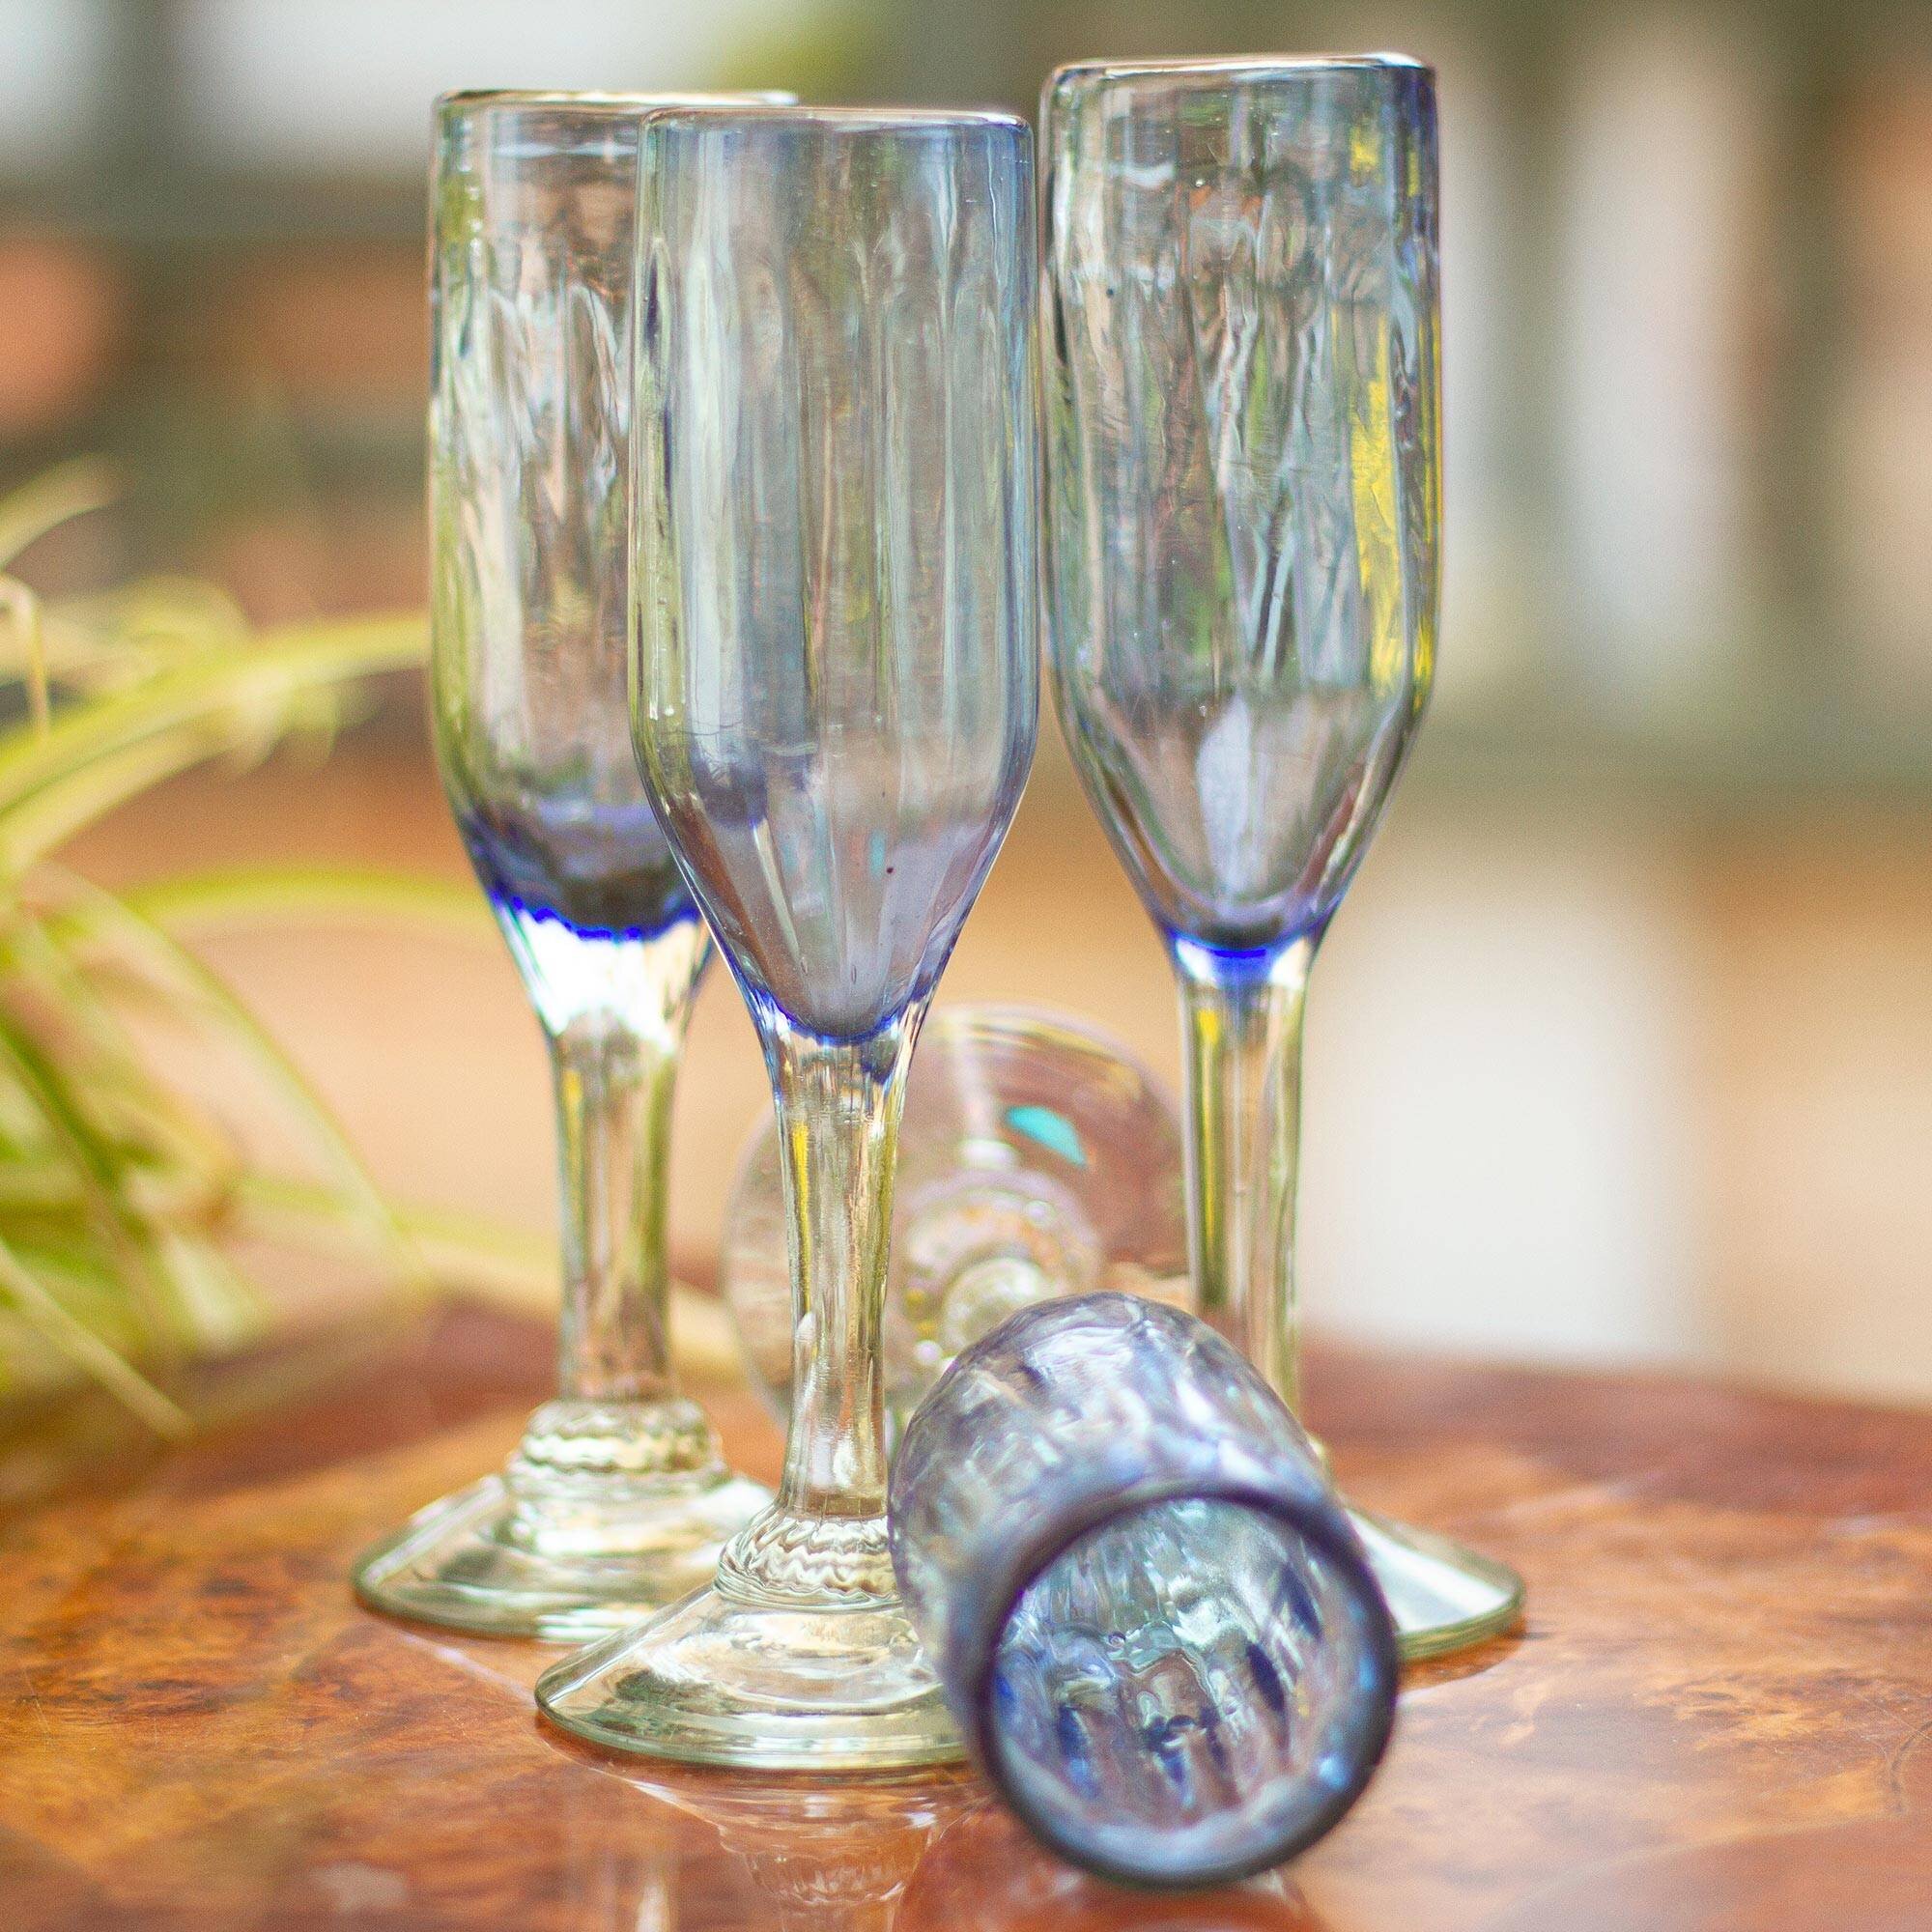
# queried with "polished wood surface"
point(1718, 1715)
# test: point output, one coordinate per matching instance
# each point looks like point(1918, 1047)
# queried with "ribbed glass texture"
point(530, 399)
point(834, 699)
point(1151, 1618)
point(1243, 549)
point(836, 682)
point(1243, 528)
point(1243, 459)
point(617, 1498)
point(1242, 524)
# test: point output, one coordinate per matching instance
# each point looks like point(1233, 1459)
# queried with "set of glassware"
point(743, 396)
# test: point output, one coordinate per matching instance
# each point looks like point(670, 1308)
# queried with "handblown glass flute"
point(835, 703)
point(618, 1499)
point(1239, 325)
point(1153, 1618)
point(1036, 1159)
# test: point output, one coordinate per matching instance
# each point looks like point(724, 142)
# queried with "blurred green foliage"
point(125, 1203)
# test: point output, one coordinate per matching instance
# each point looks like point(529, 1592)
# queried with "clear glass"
point(1037, 1158)
point(618, 1499)
point(1239, 320)
point(822, 1854)
point(834, 699)
point(1154, 1621)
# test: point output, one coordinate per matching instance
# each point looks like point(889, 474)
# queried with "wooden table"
point(1718, 1716)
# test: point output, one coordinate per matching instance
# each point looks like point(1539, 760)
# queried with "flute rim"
point(602, 102)
point(1234, 67)
point(858, 119)
point(1035, 1556)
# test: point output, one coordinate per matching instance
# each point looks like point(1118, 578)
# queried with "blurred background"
point(1622, 1048)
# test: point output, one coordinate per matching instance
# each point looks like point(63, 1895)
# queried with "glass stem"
point(838, 1105)
point(1241, 1021)
point(615, 1070)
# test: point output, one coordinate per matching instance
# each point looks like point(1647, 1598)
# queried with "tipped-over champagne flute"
point(1239, 322)
point(618, 1499)
point(1037, 1158)
point(834, 699)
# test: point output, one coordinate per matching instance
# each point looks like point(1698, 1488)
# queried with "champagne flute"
point(618, 1499)
point(1154, 1620)
point(834, 699)
point(1037, 1158)
point(1239, 327)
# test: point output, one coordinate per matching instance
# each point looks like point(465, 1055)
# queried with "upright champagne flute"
point(1239, 327)
point(618, 1499)
point(835, 701)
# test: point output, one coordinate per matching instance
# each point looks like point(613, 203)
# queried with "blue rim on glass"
point(1155, 1625)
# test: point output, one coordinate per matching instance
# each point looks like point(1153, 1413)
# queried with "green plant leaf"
point(512, 1266)
point(20, 614)
point(121, 927)
point(99, 1167)
point(519, 1267)
point(121, 1199)
point(98, 754)
point(88, 1352)
point(67, 491)
point(247, 894)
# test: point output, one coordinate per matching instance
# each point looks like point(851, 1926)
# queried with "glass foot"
point(569, 1543)
point(826, 1676)
point(1443, 1597)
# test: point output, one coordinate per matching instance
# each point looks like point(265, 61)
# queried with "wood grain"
point(1717, 1718)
